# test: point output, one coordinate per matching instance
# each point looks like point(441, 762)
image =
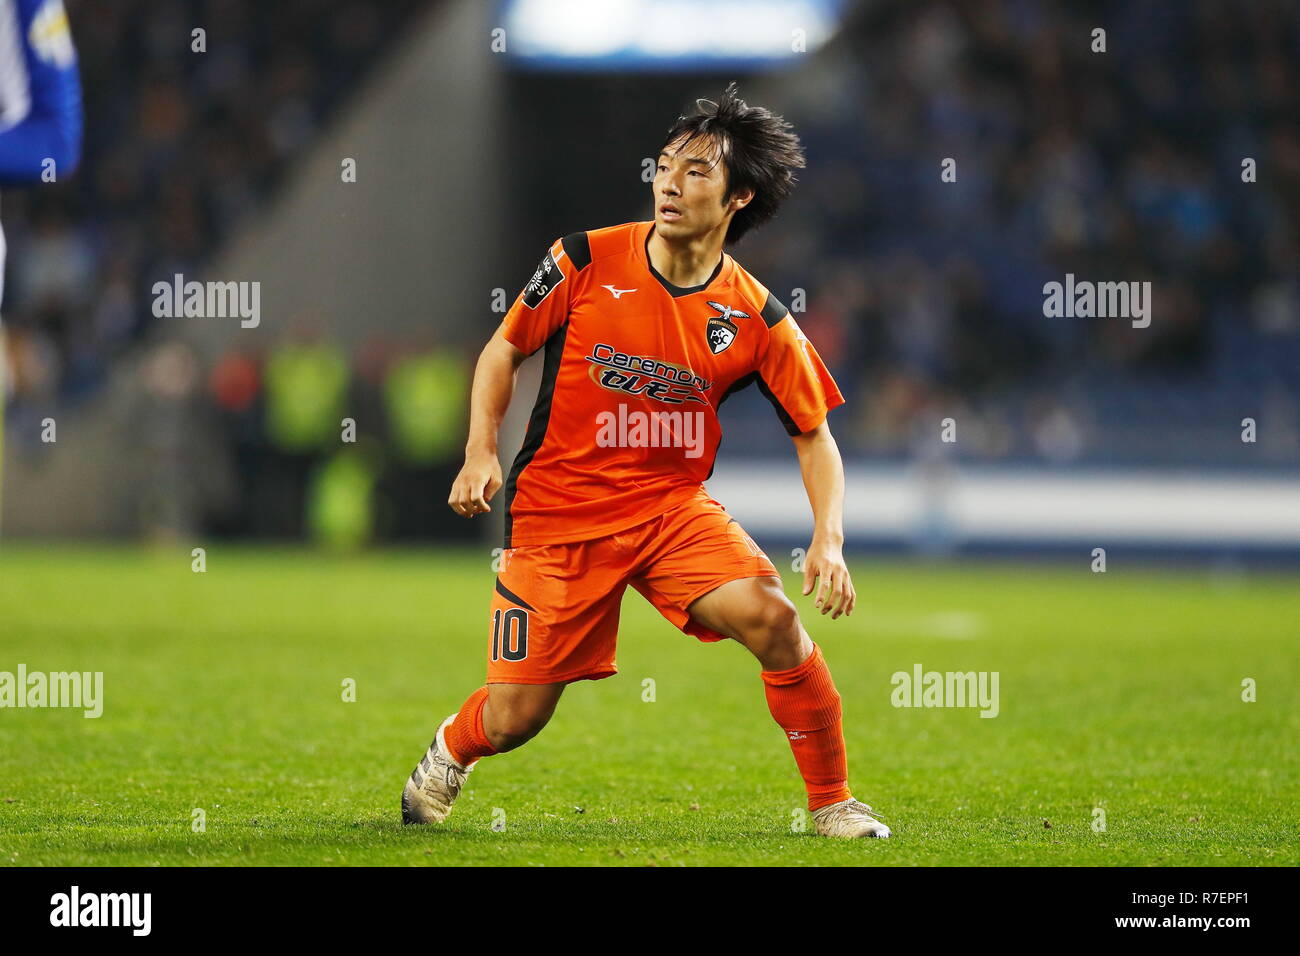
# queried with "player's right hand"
point(478, 481)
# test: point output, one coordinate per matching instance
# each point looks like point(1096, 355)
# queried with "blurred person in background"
point(169, 431)
point(306, 383)
point(40, 116)
point(235, 391)
point(425, 398)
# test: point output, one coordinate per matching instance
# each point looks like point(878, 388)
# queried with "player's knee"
point(778, 620)
point(772, 631)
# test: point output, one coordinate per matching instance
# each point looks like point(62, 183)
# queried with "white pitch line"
point(950, 625)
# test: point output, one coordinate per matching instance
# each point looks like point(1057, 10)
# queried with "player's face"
point(689, 184)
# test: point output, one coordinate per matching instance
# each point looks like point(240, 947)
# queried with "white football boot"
point(434, 784)
point(848, 818)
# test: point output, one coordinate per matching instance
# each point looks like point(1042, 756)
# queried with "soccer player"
point(648, 327)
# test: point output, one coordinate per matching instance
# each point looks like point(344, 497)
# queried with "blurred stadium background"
point(481, 131)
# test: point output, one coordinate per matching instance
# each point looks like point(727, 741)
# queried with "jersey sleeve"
point(543, 305)
point(793, 377)
point(40, 92)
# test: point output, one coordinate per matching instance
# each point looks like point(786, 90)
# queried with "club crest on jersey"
point(721, 331)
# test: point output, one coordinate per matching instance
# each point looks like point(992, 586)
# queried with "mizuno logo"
point(616, 292)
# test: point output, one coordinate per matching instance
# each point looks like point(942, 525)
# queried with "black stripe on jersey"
point(739, 384)
point(790, 427)
point(781, 413)
point(513, 598)
point(578, 249)
point(773, 310)
point(541, 418)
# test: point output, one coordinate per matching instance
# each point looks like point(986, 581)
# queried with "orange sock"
point(465, 737)
point(804, 701)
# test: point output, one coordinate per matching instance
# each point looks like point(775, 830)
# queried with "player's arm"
point(796, 381)
point(538, 312)
point(823, 479)
point(40, 94)
point(494, 385)
point(25, 148)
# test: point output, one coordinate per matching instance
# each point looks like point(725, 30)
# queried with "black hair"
point(758, 148)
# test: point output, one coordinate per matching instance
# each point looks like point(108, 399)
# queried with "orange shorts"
point(555, 608)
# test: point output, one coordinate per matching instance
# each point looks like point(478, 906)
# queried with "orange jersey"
point(626, 421)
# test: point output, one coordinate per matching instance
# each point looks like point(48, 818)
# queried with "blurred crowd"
point(180, 147)
point(1123, 165)
point(187, 136)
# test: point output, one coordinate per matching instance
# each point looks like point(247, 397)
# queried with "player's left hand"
point(825, 564)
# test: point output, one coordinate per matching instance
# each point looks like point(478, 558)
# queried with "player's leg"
point(801, 695)
point(553, 620)
point(514, 714)
point(755, 612)
point(498, 718)
point(708, 577)
point(494, 719)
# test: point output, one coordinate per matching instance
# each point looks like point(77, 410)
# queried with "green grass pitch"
point(224, 692)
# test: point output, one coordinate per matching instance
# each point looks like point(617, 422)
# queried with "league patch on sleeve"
point(543, 282)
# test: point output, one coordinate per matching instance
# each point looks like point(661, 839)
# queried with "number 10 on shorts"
point(509, 634)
